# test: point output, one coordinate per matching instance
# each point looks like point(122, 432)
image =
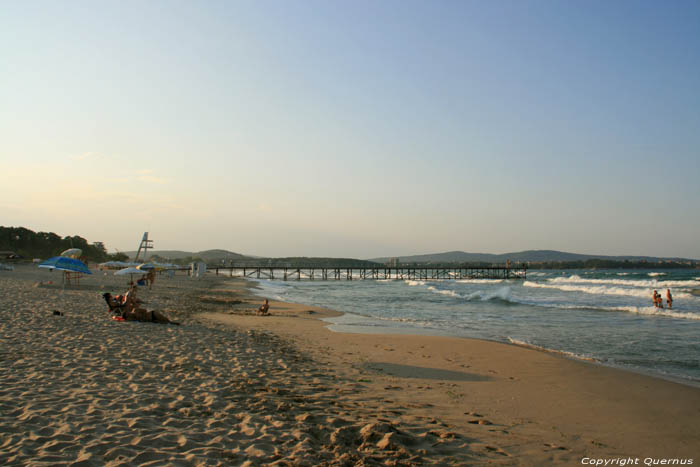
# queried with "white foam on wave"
point(479, 281)
point(528, 345)
point(649, 311)
point(623, 273)
point(600, 290)
point(451, 293)
point(656, 274)
point(653, 311)
point(502, 293)
point(649, 283)
point(415, 283)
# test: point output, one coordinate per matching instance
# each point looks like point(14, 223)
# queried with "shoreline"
point(566, 400)
point(509, 341)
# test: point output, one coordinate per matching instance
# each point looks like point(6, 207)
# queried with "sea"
point(602, 316)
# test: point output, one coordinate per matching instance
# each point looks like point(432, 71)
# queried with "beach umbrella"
point(72, 253)
point(63, 263)
point(147, 266)
point(113, 264)
point(130, 271)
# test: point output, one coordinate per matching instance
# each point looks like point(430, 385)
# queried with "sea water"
point(606, 316)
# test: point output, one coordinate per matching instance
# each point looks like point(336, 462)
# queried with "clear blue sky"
point(355, 128)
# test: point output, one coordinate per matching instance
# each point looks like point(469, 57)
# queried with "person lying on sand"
point(129, 307)
point(264, 309)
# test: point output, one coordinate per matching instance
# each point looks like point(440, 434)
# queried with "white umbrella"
point(131, 271)
point(72, 253)
point(113, 264)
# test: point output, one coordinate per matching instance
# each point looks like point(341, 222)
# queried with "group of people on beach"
point(127, 307)
point(659, 302)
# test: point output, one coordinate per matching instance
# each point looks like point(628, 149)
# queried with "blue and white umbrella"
point(63, 263)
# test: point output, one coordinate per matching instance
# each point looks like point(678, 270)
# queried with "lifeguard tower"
point(145, 245)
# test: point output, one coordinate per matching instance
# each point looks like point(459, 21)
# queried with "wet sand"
point(231, 388)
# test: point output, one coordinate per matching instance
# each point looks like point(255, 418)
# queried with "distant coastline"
point(19, 243)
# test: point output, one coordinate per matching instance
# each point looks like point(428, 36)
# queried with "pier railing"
point(325, 273)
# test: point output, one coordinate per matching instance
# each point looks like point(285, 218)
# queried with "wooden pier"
point(325, 273)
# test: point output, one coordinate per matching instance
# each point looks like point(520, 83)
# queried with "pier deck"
point(373, 273)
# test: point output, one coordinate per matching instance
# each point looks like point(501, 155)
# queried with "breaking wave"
point(650, 283)
point(600, 289)
point(502, 293)
point(415, 283)
point(642, 310)
point(653, 311)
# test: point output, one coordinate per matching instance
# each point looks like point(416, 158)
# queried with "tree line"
point(27, 244)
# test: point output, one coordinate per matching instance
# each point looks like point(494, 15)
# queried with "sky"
point(354, 128)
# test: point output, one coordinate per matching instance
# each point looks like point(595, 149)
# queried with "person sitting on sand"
point(669, 298)
point(264, 309)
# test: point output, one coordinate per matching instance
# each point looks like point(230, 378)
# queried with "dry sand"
point(231, 388)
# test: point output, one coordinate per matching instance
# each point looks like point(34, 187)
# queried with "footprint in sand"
point(496, 450)
point(553, 446)
point(480, 421)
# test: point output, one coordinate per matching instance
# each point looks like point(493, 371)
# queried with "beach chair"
point(117, 309)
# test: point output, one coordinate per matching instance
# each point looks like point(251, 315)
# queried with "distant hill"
point(529, 256)
point(207, 255)
point(451, 257)
point(303, 261)
point(218, 256)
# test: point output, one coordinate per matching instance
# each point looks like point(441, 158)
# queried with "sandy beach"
point(231, 388)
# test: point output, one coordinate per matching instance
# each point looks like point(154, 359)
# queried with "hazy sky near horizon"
point(354, 128)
